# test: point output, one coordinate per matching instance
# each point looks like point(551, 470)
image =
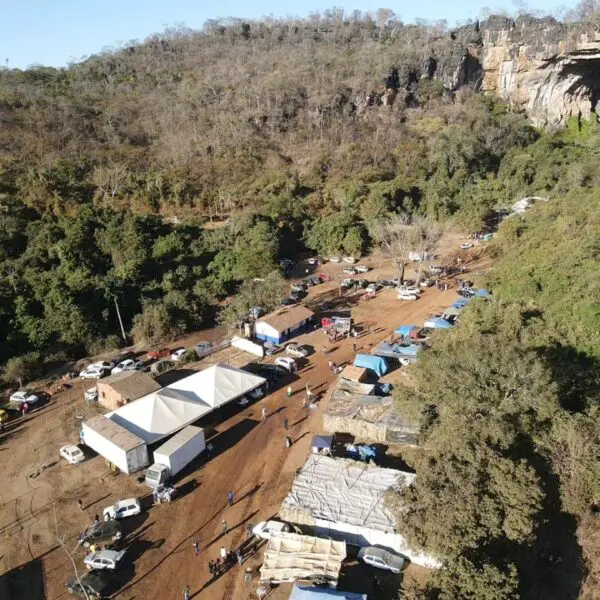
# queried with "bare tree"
point(110, 179)
point(62, 543)
point(427, 236)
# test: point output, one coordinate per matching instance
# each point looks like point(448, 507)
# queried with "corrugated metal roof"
point(287, 317)
point(114, 432)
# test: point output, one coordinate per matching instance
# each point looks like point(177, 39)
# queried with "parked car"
point(295, 296)
point(256, 393)
point(202, 349)
point(350, 271)
point(361, 268)
point(349, 259)
point(381, 558)
point(287, 363)
point(23, 396)
point(435, 269)
point(101, 533)
point(373, 288)
point(265, 529)
point(72, 454)
point(127, 365)
point(94, 372)
point(291, 300)
point(405, 295)
point(243, 401)
point(256, 311)
point(296, 350)
point(272, 373)
point(314, 260)
point(335, 259)
point(297, 287)
point(95, 584)
point(347, 283)
point(91, 394)
point(388, 283)
point(156, 354)
point(104, 559)
point(122, 509)
point(178, 354)
point(271, 348)
point(362, 283)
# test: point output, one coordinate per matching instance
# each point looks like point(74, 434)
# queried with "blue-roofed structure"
point(314, 593)
point(438, 323)
point(405, 330)
point(374, 363)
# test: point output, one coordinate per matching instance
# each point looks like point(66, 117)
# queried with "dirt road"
point(39, 493)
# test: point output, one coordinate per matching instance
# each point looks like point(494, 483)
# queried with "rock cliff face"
point(548, 69)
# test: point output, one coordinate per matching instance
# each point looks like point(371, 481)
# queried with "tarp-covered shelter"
point(371, 418)
point(406, 330)
point(482, 293)
point(314, 593)
point(437, 323)
point(289, 557)
point(461, 302)
point(376, 364)
point(353, 373)
point(396, 350)
point(354, 387)
point(451, 312)
point(344, 499)
point(168, 410)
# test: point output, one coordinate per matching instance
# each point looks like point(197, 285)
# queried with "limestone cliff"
point(541, 66)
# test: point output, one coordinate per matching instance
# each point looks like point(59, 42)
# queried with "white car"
point(373, 288)
point(349, 259)
point(287, 363)
point(256, 394)
point(405, 295)
point(127, 365)
point(346, 283)
point(91, 394)
point(178, 354)
point(296, 350)
point(103, 559)
point(335, 259)
point(350, 271)
point(314, 260)
point(361, 268)
point(265, 529)
point(23, 396)
point(94, 373)
point(72, 454)
point(122, 509)
point(381, 558)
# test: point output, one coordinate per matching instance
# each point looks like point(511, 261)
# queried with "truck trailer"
point(119, 447)
point(175, 454)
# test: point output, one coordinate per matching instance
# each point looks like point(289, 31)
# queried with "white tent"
point(162, 413)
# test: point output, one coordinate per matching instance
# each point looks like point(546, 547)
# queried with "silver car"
point(381, 558)
point(104, 559)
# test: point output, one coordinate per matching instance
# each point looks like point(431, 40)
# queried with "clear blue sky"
point(56, 32)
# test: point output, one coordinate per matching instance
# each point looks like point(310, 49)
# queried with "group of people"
point(227, 559)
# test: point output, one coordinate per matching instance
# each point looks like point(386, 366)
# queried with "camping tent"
point(461, 303)
point(437, 323)
point(405, 330)
point(313, 593)
point(374, 363)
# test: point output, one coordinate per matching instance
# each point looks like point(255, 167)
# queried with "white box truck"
point(174, 455)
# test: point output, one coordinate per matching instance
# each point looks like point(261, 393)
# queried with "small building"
point(343, 499)
point(371, 418)
point(283, 324)
point(117, 390)
point(353, 373)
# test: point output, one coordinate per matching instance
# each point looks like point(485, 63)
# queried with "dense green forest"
point(167, 175)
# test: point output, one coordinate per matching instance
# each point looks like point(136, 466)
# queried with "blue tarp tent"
point(312, 593)
point(438, 323)
point(374, 363)
point(404, 330)
point(461, 303)
point(481, 293)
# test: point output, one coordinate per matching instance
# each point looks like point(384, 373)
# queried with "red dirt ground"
point(39, 493)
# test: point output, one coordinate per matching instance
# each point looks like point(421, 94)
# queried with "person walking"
point(209, 449)
point(186, 592)
point(196, 548)
point(354, 347)
point(225, 528)
point(230, 498)
point(217, 566)
point(249, 528)
point(285, 423)
point(239, 556)
point(223, 553)
point(304, 402)
point(289, 391)
point(211, 567)
point(288, 441)
point(263, 414)
point(80, 504)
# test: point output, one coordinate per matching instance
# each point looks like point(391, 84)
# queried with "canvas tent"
point(437, 323)
point(345, 500)
point(289, 556)
point(396, 350)
point(162, 413)
point(314, 593)
point(373, 363)
point(369, 418)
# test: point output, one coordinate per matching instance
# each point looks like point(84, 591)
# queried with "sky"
point(57, 32)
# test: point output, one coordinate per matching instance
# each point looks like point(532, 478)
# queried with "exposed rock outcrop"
point(546, 68)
